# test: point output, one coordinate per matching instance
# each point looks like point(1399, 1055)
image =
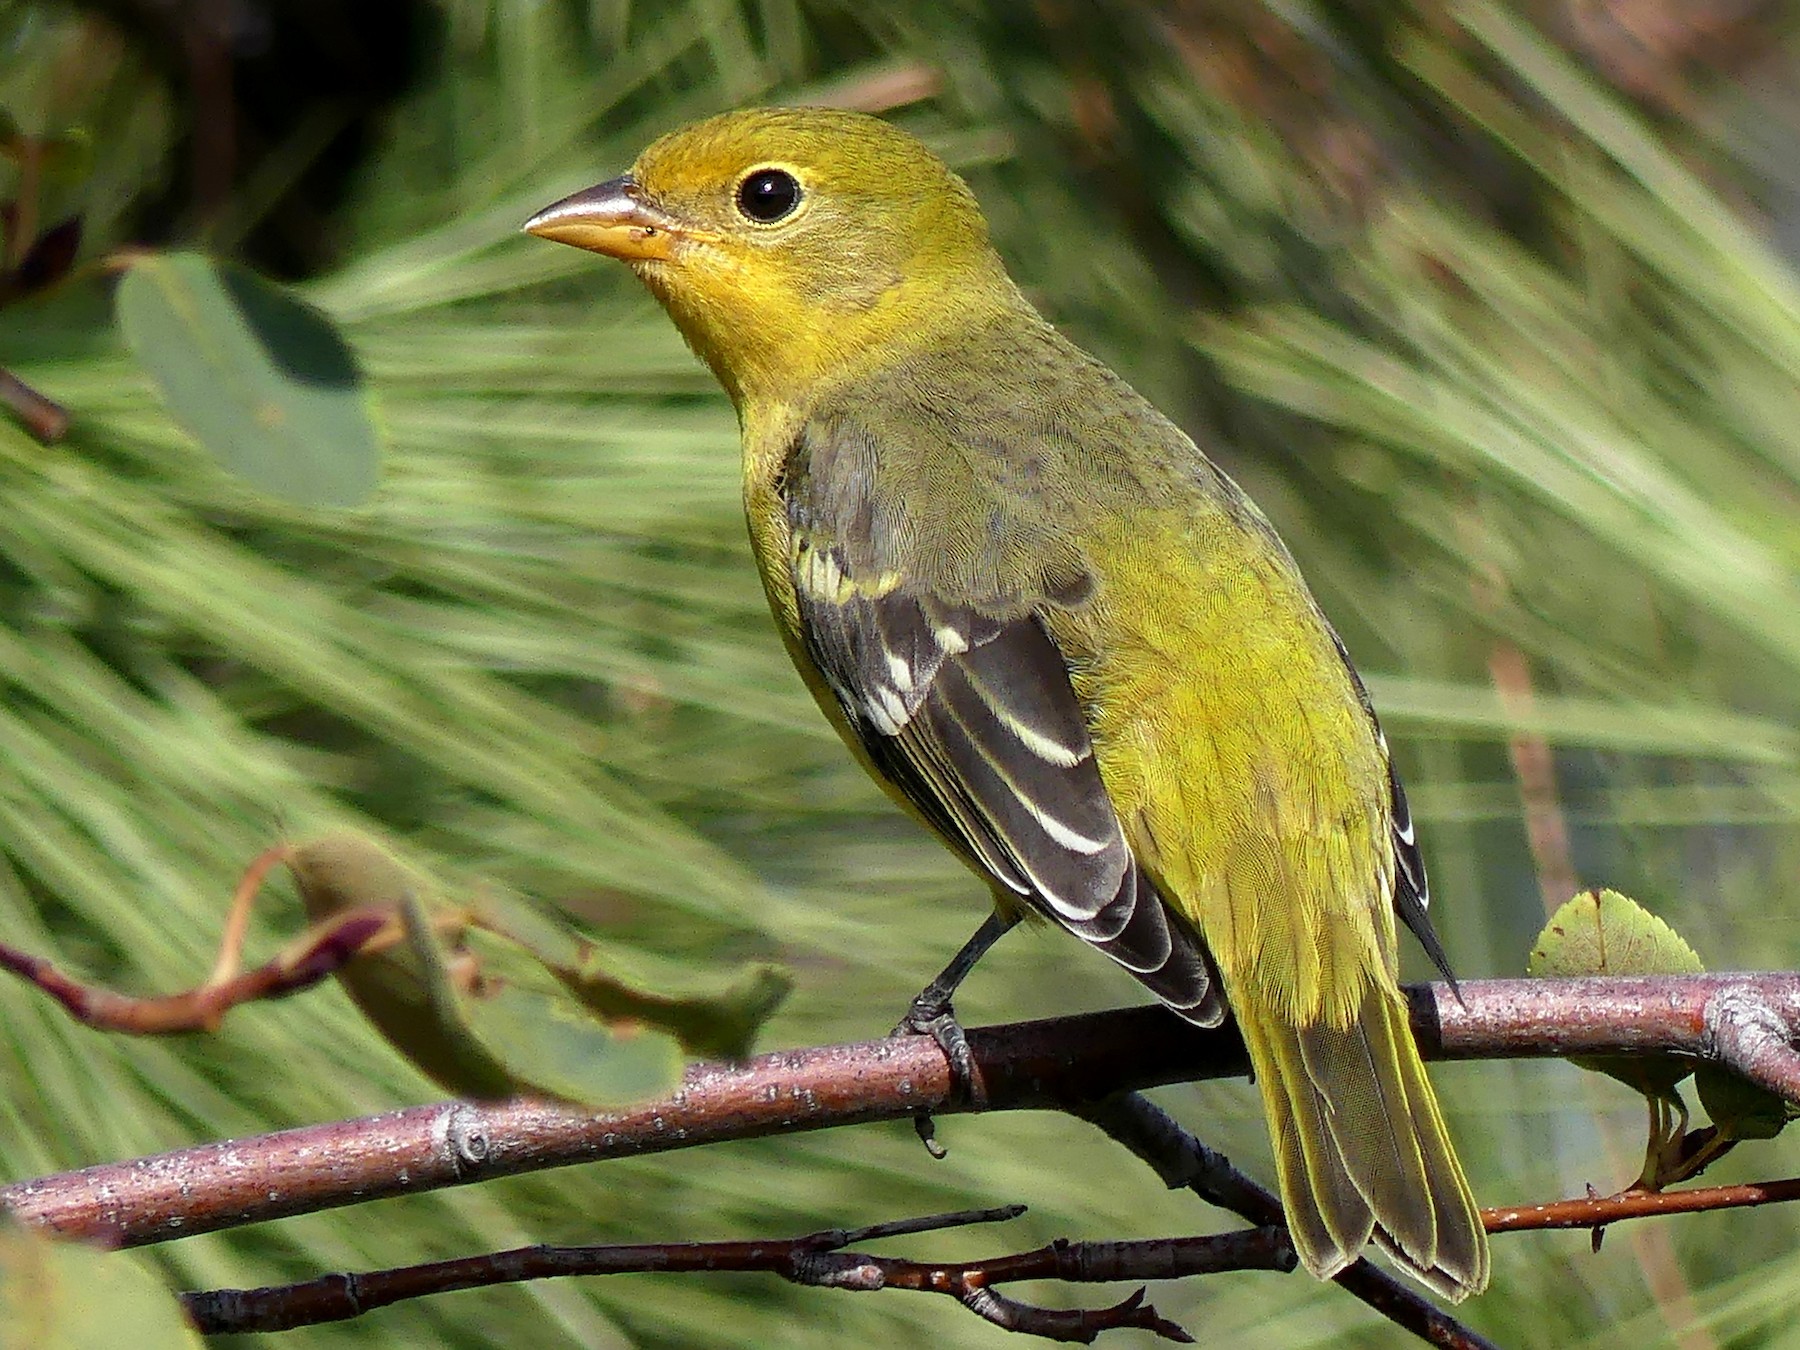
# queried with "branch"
point(47, 422)
point(817, 1260)
point(1032, 1065)
point(1182, 1160)
point(320, 952)
point(1597, 1211)
point(1744, 1030)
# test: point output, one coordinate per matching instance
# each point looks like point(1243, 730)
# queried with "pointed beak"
point(614, 218)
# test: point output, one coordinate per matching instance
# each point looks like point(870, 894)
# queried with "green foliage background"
point(1521, 375)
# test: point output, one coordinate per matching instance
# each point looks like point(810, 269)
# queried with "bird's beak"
point(614, 218)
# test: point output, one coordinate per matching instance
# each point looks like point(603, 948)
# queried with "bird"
point(1061, 637)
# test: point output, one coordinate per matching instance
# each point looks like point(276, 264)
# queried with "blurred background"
point(1493, 307)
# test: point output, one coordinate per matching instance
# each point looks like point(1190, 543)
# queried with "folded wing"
point(973, 717)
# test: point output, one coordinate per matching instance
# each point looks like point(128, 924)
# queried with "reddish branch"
point(817, 1259)
point(1597, 1211)
point(47, 422)
point(1024, 1066)
point(321, 952)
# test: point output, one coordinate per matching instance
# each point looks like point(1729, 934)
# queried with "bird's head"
point(793, 245)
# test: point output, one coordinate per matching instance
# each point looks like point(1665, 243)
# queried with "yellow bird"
point(1056, 632)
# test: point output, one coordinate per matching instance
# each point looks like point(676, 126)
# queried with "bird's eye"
point(768, 195)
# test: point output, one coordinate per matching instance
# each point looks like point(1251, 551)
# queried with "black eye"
point(768, 194)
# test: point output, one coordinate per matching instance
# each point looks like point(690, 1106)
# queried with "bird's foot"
point(933, 1016)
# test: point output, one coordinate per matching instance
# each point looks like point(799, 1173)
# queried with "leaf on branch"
point(262, 380)
point(1606, 933)
point(493, 1005)
point(1740, 1109)
point(68, 1296)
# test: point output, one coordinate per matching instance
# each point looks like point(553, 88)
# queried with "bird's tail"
point(1361, 1151)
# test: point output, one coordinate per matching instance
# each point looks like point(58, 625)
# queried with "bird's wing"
point(1412, 896)
point(972, 716)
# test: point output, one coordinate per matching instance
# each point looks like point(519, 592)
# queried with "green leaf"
point(716, 1017)
point(1740, 1109)
point(1606, 933)
point(69, 1296)
point(262, 380)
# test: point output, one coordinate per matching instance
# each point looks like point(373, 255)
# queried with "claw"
point(936, 1019)
point(931, 1015)
point(943, 1028)
point(926, 1128)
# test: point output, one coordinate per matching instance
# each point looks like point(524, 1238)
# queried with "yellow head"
point(793, 245)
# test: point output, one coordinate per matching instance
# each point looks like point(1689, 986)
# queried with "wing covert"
point(972, 716)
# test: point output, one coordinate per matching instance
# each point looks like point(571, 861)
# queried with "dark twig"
point(1182, 1160)
point(47, 422)
point(1026, 1066)
point(817, 1259)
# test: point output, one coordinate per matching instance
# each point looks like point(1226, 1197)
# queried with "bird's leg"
point(931, 1015)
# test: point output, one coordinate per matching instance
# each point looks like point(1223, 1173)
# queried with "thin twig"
point(47, 422)
point(816, 1259)
point(1597, 1211)
point(237, 918)
point(319, 953)
point(1181, 1160)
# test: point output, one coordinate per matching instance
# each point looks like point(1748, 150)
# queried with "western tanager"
point(1053, 629)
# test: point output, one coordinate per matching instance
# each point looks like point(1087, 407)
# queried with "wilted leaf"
point(717, 1017)
point(714, 1015)
point(68, 1296)
point(551, 1043)
point(337, 873)
point(1606, 933)
point(484, 1014)
point(262, 379)
point(405, 990)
